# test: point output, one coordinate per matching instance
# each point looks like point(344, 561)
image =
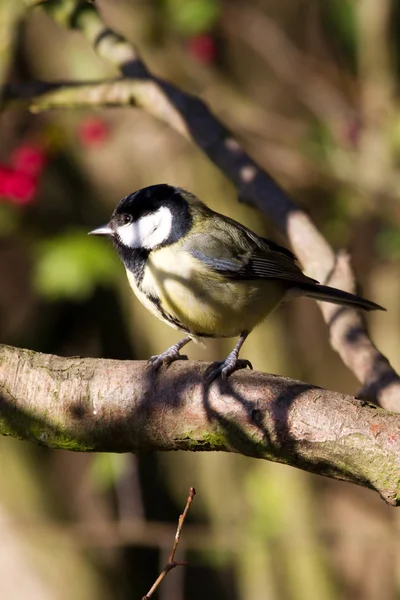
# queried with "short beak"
point(105, 230)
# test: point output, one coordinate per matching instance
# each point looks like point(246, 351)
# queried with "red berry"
point(353, 131)
point(17, 186)
point(93, 131)
point(29, 158)
point(203, 48)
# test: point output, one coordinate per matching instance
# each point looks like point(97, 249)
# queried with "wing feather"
point(238, 253)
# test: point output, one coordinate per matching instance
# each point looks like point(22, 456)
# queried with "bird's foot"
point(165, 358)
point(226, 367)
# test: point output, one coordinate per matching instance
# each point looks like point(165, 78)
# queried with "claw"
point(169, 356)
point(226, 368)
point(231, 364)
point(165, 358)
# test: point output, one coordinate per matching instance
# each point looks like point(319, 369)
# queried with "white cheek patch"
point(148, 231)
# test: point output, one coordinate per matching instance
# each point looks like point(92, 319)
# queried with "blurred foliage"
point(190, 17)
point(106, 469)
point(9, 220)
point(340, 21)
point(388, 243)
point(319, 142)
point(71, 265)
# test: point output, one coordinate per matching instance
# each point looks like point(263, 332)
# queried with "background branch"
point(290, 65)
point(114, 406)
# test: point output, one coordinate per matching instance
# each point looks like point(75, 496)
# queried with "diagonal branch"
point(87, 404)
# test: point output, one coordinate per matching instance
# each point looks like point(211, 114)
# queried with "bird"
point(205, 274)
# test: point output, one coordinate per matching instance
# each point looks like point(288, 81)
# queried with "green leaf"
point(319, 142)
point(9, 219)
point(106, 469)
point(191, 17)
point(71, 265)
point(388, 243)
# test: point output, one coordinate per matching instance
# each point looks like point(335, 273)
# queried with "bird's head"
point(152, 217)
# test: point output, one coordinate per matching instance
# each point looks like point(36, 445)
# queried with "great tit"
point(204, 273)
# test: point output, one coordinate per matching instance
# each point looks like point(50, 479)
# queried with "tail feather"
point(335, 296)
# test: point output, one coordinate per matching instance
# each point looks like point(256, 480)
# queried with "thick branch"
point(114, 406)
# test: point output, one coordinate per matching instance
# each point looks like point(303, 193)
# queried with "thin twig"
point(172, 563)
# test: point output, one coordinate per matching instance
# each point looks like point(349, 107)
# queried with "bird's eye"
point(126, 219)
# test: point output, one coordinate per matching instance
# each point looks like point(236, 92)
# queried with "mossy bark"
point(114, 406)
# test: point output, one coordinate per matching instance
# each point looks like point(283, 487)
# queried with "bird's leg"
point(170, 355)
point(230, 364)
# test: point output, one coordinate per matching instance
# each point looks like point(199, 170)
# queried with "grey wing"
point(238, 253)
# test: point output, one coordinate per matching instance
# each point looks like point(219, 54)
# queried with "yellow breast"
point(203, 302)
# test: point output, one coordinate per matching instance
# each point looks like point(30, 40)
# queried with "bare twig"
point(172, 563)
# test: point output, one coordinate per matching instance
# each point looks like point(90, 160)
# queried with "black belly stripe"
point(205, 335)
point(168, 317)
point(135, 261)
point(165, 315)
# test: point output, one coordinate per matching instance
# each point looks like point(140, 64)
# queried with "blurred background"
point(311, 89)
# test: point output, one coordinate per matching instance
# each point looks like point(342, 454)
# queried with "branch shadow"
point(264, 433)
